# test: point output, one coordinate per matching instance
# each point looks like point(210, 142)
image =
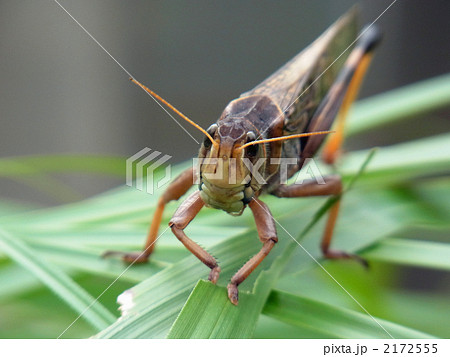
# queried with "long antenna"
point(280, 138)
point(165, 102)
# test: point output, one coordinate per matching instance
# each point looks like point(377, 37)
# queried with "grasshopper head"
point(227, 179)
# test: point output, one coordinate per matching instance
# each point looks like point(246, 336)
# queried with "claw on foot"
point(214, 275)
point(138, 257)
point(233, 293)
point(343, 255)
point(362, 261)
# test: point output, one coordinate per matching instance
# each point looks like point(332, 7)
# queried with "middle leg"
point(332, 186)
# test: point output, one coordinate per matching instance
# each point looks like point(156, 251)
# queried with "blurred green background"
point(61, 94)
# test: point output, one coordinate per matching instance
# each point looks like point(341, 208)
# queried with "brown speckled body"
point(283, 117)
point(281, 105)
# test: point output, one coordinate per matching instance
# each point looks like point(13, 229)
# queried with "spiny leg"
point(350, 81)
point(332, 186)
point(185, 214)
point(267, 233)
point(175, 190)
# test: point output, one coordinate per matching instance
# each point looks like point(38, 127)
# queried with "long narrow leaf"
point(55, 279)
point(400, 104)
point(331, 321)
point(395, 163)
point(217, 317)
point(32, 165)
point(411, 252)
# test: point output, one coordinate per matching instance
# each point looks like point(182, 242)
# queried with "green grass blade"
point(411, 252)
point(402, 161)
point(122, 204)
point(35, 171)
point(216, 317)
point(222, 320)
point(56, 280)
point(40, 316)
point(32, 165)
point(333, 322)
point(15, 280)
point(422, 310)
point(399, 104)
point(150, 308)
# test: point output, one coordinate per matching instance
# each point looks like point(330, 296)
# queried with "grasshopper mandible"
point(286, 116)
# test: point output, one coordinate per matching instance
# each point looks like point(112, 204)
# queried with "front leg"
point(182, 217)
point(267, 233)
point(332, 186)
point(175, 190)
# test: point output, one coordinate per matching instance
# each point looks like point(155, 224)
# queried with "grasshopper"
point(288, 115)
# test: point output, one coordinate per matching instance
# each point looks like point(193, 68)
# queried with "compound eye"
point(252, 150)
point(211, 131)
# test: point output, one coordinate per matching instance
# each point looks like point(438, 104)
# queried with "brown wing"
point(341, 95)
point(300, 85)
